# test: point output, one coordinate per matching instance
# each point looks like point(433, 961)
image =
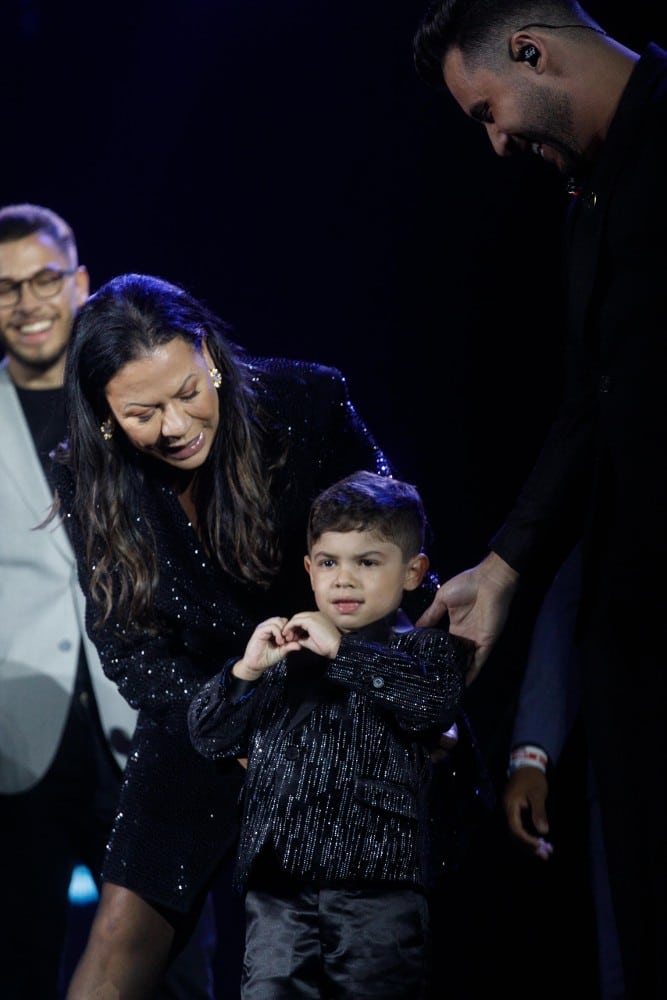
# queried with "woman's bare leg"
point(127, 951)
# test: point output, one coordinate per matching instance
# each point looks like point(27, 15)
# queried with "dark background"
point(283, 161)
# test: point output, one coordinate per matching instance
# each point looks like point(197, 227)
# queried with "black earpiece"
point(529, 54)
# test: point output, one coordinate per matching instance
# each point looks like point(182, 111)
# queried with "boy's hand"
point(446, 742)
point(266, 646)
point(311, 630)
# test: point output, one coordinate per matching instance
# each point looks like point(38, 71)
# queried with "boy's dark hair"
point(19, 221)
point(366, 501)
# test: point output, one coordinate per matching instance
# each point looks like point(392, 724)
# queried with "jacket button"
point(604, 383)
point(378, 682)
point(589, 200)
point(292, 753)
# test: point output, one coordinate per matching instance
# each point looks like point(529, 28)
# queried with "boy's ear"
point(307, 564)
point(415, 571)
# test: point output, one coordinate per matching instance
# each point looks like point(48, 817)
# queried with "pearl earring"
point(216, 377)
point(107, 429)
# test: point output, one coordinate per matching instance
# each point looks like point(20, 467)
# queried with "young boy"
point(336, 710)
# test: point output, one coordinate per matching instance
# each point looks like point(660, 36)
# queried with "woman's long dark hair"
point(125, 319)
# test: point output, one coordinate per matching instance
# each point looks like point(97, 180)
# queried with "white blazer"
point(41, 616)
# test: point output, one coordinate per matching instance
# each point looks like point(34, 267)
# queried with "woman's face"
point(166, 404)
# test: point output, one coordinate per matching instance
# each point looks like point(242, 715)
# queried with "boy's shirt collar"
point(380, 630)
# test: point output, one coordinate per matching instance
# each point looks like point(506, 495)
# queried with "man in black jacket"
point(543, 78)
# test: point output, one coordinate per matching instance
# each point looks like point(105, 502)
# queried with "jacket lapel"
point(306, 683)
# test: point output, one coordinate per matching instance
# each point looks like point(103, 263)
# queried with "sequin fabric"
point(338, 776)
point(178, 811)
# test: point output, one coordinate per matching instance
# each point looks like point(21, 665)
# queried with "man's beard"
point(36, 364)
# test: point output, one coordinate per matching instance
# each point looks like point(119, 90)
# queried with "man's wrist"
point(528, 755)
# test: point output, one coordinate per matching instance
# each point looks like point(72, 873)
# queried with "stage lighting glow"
point(82, 888)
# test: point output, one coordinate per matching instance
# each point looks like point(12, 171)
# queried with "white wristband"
point(528, 756)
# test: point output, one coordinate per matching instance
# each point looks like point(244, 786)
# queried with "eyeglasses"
point(43, 285)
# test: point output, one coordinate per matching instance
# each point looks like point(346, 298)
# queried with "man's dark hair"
point(19, 221)
point(471, 25)
point(366, 501)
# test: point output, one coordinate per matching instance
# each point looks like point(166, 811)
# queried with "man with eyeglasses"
point(65, 730)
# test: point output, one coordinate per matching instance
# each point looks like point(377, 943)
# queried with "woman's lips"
point(187, 450)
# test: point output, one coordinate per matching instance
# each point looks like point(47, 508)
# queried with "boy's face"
point(357, 577)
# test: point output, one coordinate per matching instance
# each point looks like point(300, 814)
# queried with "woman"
point(186, 483)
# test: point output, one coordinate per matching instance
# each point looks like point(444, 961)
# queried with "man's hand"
point(477, 602)
point(524, 800)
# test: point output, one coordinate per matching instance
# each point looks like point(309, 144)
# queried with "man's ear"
point(82, 284)
point(415, 571)
point(526, 48)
